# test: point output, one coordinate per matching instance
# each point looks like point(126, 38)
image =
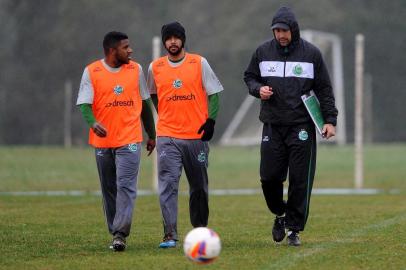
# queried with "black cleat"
point(119, 243)
point(293, 238)
point(278, 230)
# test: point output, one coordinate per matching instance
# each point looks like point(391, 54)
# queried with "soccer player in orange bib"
point(113, 99)
point(185, 92)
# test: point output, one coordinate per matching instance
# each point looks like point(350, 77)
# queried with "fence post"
point(156, 53)
point(359, 87)
point(67, 119)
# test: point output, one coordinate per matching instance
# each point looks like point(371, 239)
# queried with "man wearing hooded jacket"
point(281, 70)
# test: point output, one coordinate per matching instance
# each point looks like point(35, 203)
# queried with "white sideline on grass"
point(212, 192)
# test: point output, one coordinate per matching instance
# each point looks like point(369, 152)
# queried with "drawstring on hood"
point(285, 15)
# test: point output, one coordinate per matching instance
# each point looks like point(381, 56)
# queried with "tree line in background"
point(45, 43)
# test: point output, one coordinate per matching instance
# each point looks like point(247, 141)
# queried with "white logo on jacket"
point(288, 69)
point(293, 68)
point(271, 68)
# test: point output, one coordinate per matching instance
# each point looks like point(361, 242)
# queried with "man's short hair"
point(111, 40)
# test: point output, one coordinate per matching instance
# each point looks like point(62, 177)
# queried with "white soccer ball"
point(202, 245)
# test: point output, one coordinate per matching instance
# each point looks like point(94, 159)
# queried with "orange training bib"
point(182, 99)
point(116, 105)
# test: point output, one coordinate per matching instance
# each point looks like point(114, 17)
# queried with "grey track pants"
point(173, 154)
point(118, 173)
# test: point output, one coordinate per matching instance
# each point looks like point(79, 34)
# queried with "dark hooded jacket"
point(291, 71)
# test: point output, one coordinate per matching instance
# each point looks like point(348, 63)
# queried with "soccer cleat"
point(278, 230)
point(293, 238)
point(167, 242)
point(118, 243)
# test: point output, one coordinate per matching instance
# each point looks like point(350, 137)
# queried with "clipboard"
point(312, 105)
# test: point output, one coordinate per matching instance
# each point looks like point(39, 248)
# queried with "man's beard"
point(122, 61)
point(284, 42)
point(174, 53)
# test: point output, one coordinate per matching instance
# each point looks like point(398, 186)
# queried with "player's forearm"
point(214, 105)
point(154, 98)
point(148, 118)
point(87, 114)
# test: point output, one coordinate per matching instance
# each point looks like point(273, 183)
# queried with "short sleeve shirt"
point(211, 83)
point(86, 93)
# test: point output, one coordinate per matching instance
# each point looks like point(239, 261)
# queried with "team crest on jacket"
point(118, 89)
point(303, 136)
point(177, 83)
point(298, 70)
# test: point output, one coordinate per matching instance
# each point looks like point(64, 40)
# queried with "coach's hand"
point(208, 128)
point(328, 131)
point(265, 92)
point(150, 145)
point(99, 129)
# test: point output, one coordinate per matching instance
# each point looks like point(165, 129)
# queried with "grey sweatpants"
point(173, 154)
point(118, 173)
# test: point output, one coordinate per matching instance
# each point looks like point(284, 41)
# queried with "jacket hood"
point(285, 15)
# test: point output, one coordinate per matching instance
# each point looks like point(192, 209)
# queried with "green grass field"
point(65, 232)
point(54, 168)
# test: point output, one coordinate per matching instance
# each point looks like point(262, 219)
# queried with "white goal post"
point(245, 128)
